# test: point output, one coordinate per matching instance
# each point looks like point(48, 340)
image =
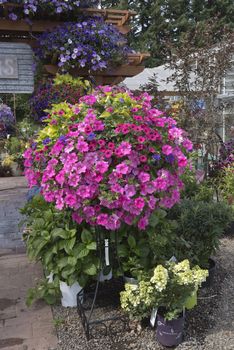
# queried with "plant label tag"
point(173, 259)
point(107, 259)
point(153, 317)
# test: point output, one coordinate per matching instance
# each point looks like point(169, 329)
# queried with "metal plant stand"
point(98, 305)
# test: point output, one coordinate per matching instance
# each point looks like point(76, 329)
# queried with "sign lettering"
point(8, 67)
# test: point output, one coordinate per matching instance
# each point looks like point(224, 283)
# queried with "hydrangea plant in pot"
point(167, 289)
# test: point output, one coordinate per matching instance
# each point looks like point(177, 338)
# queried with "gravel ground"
point(210, 326)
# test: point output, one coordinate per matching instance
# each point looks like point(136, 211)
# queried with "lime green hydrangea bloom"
point(160, 278)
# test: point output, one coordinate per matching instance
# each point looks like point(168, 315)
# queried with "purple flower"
point(46, 141)
point(156, 157)
point(91, 136)
point(170, 158)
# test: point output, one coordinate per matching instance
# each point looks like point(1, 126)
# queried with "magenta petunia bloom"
point(115, 170)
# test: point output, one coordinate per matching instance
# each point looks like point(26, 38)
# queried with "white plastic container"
point(69, 294)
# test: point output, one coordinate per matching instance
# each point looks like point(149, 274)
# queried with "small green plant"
point(63, 247)
point(49, 292)
point(168, 286)
point(199, 228)
point(58, 322)
point(139, 251)
point(226, 186)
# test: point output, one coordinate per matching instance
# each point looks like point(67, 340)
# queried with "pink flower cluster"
point(112, 173)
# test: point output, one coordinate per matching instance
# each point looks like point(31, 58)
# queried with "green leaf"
point(38, 246)
point(48, 215)
point(73, 232)
point(67, 272)
point(80, 251)
point(72, 260)
point(48, 257)
point(154, 220)
point(82, 280)
point(92, 246)
point(90, 269)
point(62, 262)
point(59, 232)
point(68, 246)
point(123, 251)
point(143, 250)
point(86, 236)
point(132, 242)
point(38, 223)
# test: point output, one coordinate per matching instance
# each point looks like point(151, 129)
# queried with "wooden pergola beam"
point(119, 18)
point(121, 71)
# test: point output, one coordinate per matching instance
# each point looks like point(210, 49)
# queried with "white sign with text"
point(8, 67)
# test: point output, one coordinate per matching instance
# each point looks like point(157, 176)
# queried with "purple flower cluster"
point(7, 120)
point(226, 159)
point(91, 43)
point(32, 7)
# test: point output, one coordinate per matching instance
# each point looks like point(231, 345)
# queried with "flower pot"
point(230, 230)
point(210, 279)
point(105, 277)
point(170, 333)
point(69, 294)
point(130, 280)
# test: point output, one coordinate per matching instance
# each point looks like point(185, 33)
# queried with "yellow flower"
point(8, 160)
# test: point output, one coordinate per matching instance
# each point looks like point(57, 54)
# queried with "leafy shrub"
point(199, 228)
point(64, 248)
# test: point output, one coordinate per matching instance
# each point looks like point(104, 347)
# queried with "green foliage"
point(49, 292)
point(168, 286)
point(199, 228)
point(16, 145)
point(226, 185)
point(162, 21)
point(63, 247)
point(201, 191)
point(140, 251)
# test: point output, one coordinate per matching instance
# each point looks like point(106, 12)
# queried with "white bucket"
point(69, 294)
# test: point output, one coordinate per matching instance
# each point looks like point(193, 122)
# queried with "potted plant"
point(64, 249)
point(200, 226)
point(167, 289)
point(90, 44)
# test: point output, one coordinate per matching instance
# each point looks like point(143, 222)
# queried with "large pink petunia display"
point(116, 160)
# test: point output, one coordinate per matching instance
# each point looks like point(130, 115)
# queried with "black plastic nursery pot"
point(210, 279)
point(230, 230)
point(170, 333)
